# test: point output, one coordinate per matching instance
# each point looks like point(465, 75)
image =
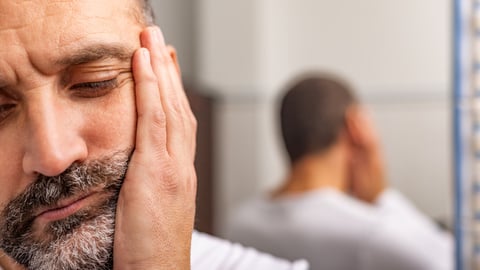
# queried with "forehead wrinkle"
point(7, 75)
point(22, 14)
point(48, 48)
point(3, 81)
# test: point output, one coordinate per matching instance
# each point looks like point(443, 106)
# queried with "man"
point(335, 209)
point(97, 144)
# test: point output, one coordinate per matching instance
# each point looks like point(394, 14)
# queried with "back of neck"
point(314, 172)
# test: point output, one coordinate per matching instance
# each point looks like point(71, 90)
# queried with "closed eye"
point(94, 89)
point(5, 110)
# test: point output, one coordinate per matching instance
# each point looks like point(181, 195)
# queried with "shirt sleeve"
point(393, 202)
point(406, 239)
point(210, 253)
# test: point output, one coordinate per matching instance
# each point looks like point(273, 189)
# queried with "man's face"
point(66, 109)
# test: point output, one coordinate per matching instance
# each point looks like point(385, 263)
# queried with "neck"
point(319, 171)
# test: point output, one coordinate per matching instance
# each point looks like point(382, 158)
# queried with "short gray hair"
point(147, 12)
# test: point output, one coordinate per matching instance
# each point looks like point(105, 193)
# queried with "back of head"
point(312, 114)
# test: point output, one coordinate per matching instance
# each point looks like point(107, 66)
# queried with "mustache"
point(46, 191)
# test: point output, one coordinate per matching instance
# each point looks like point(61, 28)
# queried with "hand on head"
point(156, 206)
point(72, 97)
point(367, 176)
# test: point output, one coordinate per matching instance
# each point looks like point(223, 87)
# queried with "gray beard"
point(83, 240)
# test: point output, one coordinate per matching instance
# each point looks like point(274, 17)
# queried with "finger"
point(152, 39)
point(190, 122)
point(162, 64)
point(176, 73)
point(151, 119)
point(180, 121)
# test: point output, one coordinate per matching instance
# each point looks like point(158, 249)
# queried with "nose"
point(53, 137)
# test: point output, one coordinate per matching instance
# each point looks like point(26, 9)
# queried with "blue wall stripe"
point(457, 136)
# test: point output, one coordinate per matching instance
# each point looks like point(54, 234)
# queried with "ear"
point(173, 54)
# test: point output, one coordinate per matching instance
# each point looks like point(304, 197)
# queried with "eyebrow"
point(95, 52)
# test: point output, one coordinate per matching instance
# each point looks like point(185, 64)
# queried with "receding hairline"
point(143, 12)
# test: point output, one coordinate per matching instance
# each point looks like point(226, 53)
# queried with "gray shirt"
point(335, 231)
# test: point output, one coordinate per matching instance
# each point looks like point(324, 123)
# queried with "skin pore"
point(74, 89)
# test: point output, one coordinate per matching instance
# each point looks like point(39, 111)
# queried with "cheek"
point(105, 125)
point(10, 172)
point(12, 178)
point(110, 126)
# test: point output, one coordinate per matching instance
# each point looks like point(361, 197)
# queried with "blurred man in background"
point(335, 207)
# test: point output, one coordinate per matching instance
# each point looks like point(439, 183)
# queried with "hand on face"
point(367, 178)
point(156, 205)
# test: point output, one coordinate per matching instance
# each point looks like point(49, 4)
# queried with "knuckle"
point(158, 118)
point(167, 57)
point(170, 181)
point(178, 179)
point(164, 60)
point(191, 183)
point(146, 75)
point(194, 123)
point(151, 78)
point(193, 120)
point(170, 186)
point(176, 107)
point(175, 113)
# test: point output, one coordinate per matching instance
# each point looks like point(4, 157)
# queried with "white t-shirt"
point(210, 253)
point(335, 231)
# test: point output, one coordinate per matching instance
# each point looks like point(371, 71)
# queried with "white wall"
point(380, 45)
point(397, 53)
